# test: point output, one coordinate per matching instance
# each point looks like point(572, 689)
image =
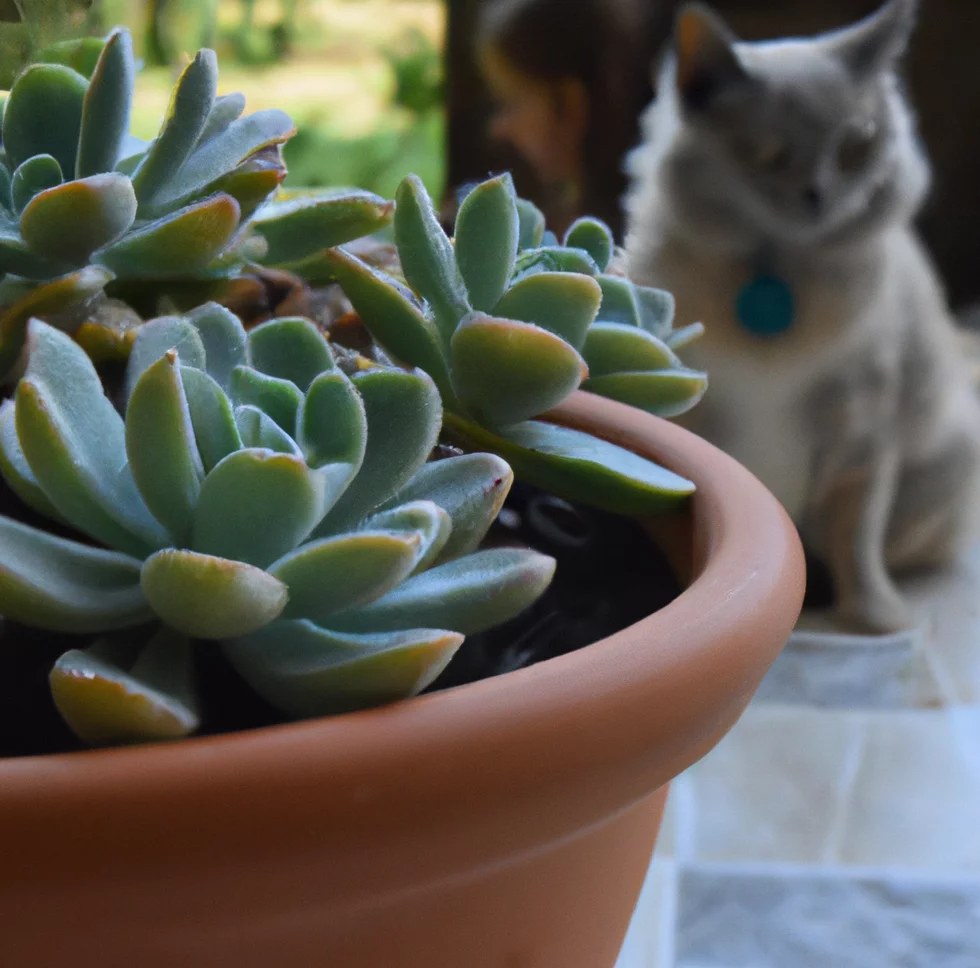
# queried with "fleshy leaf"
point(43, 115)
point(554, 258)
point(680, 338)
point(594, 236)
point(666, 393)
point(278, 399)
point(106, 705)
point(227, 108)
point(98, 209)
point(614, 347)
point(208, 597)
point(80, 54)
point(619, 301)
point(656, 310)
point(487, 233)
point(334, 574)
point(467, 595)
point(332, 423)
point(64, 586)
point(251, 184)
point(422, 518)
point(35, 175)
point(291, 348)
point(306, 670)
point(259, 430)
point(300, 224)
point(564, 303)
point(427, 257)
point(17, 259)
point(74, 441)
point(162, 450)
point(155, 338)
point(505, 371)
point(15, 469)
point(212, 417)
point(531, 225)
point(224, 339)
point(257, 505)
point(105, 110)
point(179, 244)
point(578, 467)
point(404, 416)
point(471, 489)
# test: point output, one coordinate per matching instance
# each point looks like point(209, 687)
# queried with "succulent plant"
point(253, 493)
point(78, 192)
point(508, 327)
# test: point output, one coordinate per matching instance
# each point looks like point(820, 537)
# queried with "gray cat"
point(774, 195)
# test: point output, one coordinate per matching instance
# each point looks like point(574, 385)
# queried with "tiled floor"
point(838, 825)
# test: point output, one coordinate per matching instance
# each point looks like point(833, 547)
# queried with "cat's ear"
point(704, 48)
point(875, 44)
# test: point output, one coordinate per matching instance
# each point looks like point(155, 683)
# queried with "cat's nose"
point(813, 199)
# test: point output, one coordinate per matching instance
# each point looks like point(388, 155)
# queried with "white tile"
point(650, 939)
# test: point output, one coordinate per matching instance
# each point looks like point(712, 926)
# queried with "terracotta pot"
point(504, 824)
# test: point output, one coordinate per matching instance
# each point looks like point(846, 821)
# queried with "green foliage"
point(253, 493)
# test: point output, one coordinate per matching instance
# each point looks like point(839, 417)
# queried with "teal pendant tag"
point(765, 306)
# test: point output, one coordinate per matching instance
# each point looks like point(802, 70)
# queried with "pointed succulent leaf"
point(300, 224)
point(423, 518)
point(153, 341)
point(258, 430)
point(69, 222)
point(64, 586)
point(15, 469)
point(332, 424)
point(335, 574)
point(104, 704)
point(80, 54)
point(179, 244)
point(212, 417)
point(665, 393)
point(487, 231)
point(615, 347)
point(594, 236)
point(187, 114)
point(227, 108)
point(554, 258)
point(564, 303)
point(619, 301)
point(656, 310)
point(531, 225)
point(391, 315)
point(17, 259)
point(471, 489)
point(251, 184)
point(257, 505)
point(43, 115)
point(291, 348)
point(74, 441)
point(404, 416)
point(278, 399)
point(63, 295)
point(427, 257)
point(161, 447)
point(220, 154)
point(467, 595)
point(684, 336)
point(208, 597)
point(6, 202)
point(306, 670)
point(577, 466)
point(105, 110)
point(224, 339)
point(33, 176)
point(505, 371)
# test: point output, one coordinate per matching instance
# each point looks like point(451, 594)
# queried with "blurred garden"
point(362, 79)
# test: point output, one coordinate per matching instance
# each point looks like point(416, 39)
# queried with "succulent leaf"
point(306, 670)
point(79, 53)
point(615, 347)
point(15, 469)
point(251, 184)
point(257, 505)
point(162, 450)
point(212, 417)
point(226, 108)
point(554, 258)
point(656, 310)
point(467, 595)
point(16, 259)
point(564, 303)
point(155, 339)
point(223, 337)
point(423, 518)
point(332, 423)
point(594, 236)
point(665, 393)
point(99, 210)
point(259, 430)
point(64, 586)
point(505, 371)
point(106, 107)
point(532, 225)
point(619, 301)
point(74, 442)
point(33, 176)
point(487, 234)
point(208, 597)
point(427, 257)
point(682, 337)
point(278, 399)
point(328, 576)
point(291, 348)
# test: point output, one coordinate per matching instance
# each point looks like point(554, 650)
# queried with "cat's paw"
point(880, 613)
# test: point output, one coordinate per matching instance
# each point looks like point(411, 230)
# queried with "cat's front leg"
point(854, 523)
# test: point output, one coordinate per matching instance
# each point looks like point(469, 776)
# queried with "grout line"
point(792, 871)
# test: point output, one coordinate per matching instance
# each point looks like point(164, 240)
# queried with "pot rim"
point(677, 679)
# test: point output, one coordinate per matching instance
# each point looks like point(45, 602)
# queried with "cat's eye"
point(856, 146)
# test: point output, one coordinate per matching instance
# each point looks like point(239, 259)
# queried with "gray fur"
point(805, 150)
